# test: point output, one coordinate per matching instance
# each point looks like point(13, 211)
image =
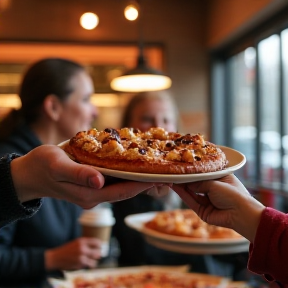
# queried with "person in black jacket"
point(55, 96)
point(58, 177)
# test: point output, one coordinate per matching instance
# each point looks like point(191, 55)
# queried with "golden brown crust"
point(155, 151)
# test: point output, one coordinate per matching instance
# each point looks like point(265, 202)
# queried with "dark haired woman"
point(55, 96)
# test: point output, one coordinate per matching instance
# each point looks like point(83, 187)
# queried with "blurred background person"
point(55, 96)
point(154, 109)
point(158, 109)
point(146, 110)
point(151, 109)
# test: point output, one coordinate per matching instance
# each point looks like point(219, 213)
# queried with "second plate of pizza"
point(235, 159)
point(189, 245)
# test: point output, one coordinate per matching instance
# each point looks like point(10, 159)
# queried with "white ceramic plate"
point(235, 158)
point(184, 244)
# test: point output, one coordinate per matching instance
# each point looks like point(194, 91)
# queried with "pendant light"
point(142, 77)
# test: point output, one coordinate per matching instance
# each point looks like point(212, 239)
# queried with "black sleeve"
point(19, 265)
point(10, 207)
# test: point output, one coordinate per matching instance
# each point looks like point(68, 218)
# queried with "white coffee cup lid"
point(98, 216)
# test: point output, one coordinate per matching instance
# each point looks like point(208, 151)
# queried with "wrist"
point(13, 209)
point(21, 181)
point(49, 260)
point(248, 217)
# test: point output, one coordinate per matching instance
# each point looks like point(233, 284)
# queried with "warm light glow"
point(141, 82)
point(97, 99)
point(131, 12)
point(10, 101)
point(89, 20)
point(105, 100)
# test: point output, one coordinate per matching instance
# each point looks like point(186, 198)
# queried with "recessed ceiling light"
point(89, 20)
point(131, 12)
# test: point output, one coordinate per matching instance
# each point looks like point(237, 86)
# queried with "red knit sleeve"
point(269, 252)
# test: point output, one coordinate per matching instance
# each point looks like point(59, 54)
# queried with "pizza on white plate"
point(186, 223)
point(155, 151)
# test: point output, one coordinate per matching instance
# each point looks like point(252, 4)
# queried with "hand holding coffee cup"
point(98, 222)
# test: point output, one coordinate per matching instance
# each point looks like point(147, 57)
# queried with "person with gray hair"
point(146, 110)
point(151, 109)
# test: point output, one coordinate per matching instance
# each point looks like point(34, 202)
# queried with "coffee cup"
point(98, 222)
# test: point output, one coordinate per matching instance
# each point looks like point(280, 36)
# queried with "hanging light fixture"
point(142, 77)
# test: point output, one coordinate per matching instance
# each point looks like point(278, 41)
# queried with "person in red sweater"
point(226, 202)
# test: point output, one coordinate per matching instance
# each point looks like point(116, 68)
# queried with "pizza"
point(149, 279)
point(155, 151)
point(186, 223)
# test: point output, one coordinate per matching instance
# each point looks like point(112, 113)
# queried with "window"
point(249, 105)
point(243, 132)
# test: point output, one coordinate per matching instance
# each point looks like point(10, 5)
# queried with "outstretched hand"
point(47, 171)
point(223, 202)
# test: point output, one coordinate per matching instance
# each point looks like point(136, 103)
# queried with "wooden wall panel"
point(226, 18)
point(183, 28)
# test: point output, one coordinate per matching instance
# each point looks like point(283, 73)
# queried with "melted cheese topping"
point(155, 144)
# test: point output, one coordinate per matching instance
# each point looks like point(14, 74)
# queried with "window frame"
point(220, 91)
